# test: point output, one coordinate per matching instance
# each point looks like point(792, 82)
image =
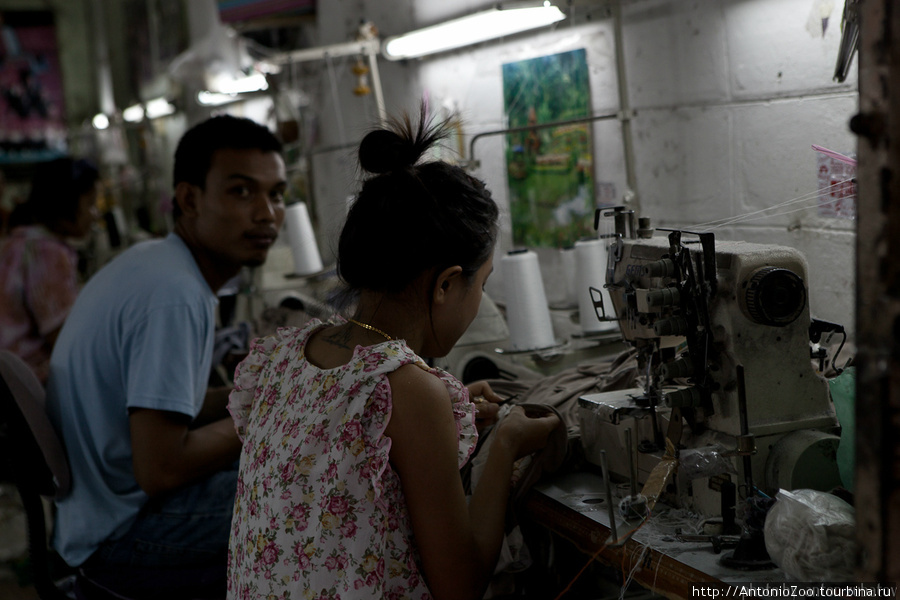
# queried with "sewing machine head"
point(722, 332)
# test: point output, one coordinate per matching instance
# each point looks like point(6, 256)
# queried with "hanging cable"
point(787, 212)
point(754, 215)
point(626, 580)
point(620, 542)
point(334, 96)
point(750, 217)
point(805, 197)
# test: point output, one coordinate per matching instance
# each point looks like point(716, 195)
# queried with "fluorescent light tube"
point(472, 29)
point(215, 99)
point(158, 107)
point(223, 84)
point(133, 113)
point(224, 89)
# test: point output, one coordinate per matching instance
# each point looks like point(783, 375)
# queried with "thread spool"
point(527, 313)
point(302, 240)
point(590, 269)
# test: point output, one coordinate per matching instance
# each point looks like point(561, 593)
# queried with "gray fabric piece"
point(561, 391)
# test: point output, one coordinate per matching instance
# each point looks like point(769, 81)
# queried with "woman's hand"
point(486, 404)
point(525, 434)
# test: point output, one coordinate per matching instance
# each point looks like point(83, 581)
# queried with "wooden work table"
point(573, 507)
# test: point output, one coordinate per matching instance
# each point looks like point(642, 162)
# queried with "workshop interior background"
point(720, 102)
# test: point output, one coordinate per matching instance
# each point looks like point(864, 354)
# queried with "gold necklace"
point(370, 328)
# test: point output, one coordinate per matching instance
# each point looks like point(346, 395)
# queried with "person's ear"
point(446, 279)
point(186, 195)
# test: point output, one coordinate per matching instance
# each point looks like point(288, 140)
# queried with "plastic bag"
point(811, 536)
point(706, 461)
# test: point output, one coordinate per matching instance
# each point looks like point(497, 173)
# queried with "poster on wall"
point(32, 111)
point(549, 169)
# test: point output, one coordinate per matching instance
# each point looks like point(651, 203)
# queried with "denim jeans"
point(177, 547)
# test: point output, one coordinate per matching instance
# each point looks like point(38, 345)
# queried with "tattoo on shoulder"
point(340, 337)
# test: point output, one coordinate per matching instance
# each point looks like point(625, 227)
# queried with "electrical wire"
point(626, 580)
point(766, 212)
point(656, 572)
point(788, 212)
point(801, 198)
point(577, 575)
point(334, 95)
point(605, 545)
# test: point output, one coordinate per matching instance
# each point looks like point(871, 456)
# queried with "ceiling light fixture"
point(472, 29)
point(216, 99)
point(100, 121)
point(224, 84)
point(133, 113)
point(224, 89)
point(152, 109)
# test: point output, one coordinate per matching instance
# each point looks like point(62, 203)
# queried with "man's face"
point(239, 213)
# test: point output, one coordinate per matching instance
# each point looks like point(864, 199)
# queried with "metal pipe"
point(376, 88)
point(610, 505)
point(103, 68)
point(632, 471)
point(478, 136)
point(745, 436)
point(625, 107)
point(367, 47)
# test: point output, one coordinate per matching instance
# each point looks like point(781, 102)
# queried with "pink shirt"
point(38, 285)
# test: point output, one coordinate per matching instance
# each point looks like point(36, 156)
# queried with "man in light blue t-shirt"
point(153, 453)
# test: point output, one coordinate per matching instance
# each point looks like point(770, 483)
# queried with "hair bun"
point(382, 151)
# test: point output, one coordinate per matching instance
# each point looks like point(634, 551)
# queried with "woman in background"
point(38, 267)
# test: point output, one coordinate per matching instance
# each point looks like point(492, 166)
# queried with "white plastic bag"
point(811, 536)
point(705, 461)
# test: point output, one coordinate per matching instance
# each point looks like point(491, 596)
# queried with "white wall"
point(729, 95)
point(342, 118)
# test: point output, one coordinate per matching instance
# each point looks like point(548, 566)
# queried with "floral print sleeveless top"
point(319, 511)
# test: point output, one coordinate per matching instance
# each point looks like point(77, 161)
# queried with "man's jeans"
point(177, 548)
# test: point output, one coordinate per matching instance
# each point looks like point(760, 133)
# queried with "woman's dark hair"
point(410, 216)
point(56, 190)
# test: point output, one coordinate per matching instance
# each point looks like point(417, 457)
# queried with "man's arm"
point(215, 406)
point(167, 453)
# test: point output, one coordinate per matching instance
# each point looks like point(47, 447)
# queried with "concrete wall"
point(729, 96)
point(339, 117)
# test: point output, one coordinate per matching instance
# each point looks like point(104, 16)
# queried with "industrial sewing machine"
point(722, 332)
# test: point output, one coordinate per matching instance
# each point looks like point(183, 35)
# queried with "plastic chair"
point(34, 458)
point(32, 455)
